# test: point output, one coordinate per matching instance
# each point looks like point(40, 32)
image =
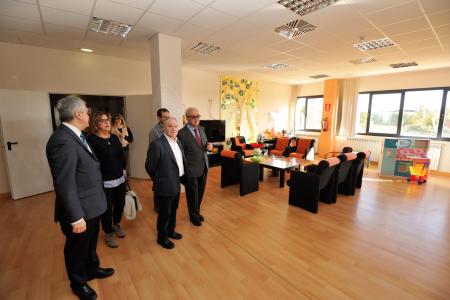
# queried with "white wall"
point(200, 86)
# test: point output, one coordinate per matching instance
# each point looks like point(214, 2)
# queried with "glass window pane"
point(421, 112)
point(362, 112)
point(384, 113)
point(446, 127)
point(300, 114)
point(314, 113)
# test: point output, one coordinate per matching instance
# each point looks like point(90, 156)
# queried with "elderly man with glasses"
point(195, 145)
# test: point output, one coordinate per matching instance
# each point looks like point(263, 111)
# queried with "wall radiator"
point(434, 154)
point(312, 137)
point(361, 144)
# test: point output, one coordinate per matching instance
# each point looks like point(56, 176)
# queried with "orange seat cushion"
point(297, 155)
point(248, 152)
point(276, 152)
point(228, 153)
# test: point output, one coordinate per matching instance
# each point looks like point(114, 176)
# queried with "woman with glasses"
point(108, 149)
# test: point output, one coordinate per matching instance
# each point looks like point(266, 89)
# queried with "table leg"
point(281, 178)
point(261, 173)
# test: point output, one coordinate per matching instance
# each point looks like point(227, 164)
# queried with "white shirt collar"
point(73, 128)
point(171, 139)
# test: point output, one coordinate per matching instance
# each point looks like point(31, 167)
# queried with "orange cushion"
point(302, 145)
point(248, 152)
point(282, 143)
point(297, 155)
point(276, 152)
point(228, 153)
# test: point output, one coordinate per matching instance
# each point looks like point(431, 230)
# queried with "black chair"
point(238, 144)
point(344, 181)
point(306, 189)
point(358, 170)
point(235, 170)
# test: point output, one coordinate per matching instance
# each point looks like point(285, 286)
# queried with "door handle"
point(9, 144)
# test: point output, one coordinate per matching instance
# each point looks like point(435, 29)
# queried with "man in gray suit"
point(166, 166)
point(80, 198)
point(195, 146)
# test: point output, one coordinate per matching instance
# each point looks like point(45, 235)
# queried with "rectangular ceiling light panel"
point(109, 27)
point(294, 28)
point(276, 66)
point(319, 76)
point(364, 60)
point(304, 7)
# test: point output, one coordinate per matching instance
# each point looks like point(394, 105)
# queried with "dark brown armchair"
point(302, 149)
point(235, 170)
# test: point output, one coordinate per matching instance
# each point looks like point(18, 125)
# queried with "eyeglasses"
point(104, 121)
point(195, 117)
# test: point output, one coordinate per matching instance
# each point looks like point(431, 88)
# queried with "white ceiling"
point(244, 31)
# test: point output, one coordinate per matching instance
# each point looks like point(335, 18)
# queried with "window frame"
point(306, 113)
point(446, 91)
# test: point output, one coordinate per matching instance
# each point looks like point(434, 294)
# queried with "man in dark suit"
point(166, 166)
point(195, 145)
point(80, 198)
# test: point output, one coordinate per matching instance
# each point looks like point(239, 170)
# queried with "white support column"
point(166, 74)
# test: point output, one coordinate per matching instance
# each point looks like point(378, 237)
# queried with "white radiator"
point(434, 154)
point(312, 137)
point(362, 144)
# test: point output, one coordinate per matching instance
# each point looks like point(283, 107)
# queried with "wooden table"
point(282, 164)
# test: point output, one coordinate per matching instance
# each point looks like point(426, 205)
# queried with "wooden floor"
point(390, 241)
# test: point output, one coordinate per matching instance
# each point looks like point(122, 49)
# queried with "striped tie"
point(83, 138)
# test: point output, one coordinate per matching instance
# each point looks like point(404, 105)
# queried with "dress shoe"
point(84, 292)
point(201, 217)
point(101, 273)
point(196, 222)
point(175, 235)
point(166, 244)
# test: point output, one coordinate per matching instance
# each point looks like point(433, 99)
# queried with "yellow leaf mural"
point(238, 106)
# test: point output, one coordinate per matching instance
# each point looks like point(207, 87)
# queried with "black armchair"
point(345, 174)
point(358, 170)
point(317, 184)
point(238, 144)
point(235, 170)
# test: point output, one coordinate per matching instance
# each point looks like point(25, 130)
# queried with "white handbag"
point(132, 204)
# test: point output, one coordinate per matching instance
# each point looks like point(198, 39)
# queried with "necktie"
point(83, 139)
point(197, 136)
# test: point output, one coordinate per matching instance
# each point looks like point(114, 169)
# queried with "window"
point(421, 112)
point(384, 114)
point(308, 113)
point(362, 111)
point(446, 123)
point(406, 113)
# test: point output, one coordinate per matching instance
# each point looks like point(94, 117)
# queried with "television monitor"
point(214, 129)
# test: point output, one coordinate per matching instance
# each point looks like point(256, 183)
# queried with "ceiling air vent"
point(294, 28)
point(204, 48)
point(374, 44)
point(319, 76)
point(276, 66)
point(109, 27)
point(304, 7)
point(364, 60)
point(404, 65)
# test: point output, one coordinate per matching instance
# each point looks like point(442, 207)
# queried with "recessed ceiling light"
point(363, 60)
point(109, 27)
point(374, 44)
point(294, 28)
point(319, 76)
point(276, 66)
point(303, 7)
point(86, 50)
point(404, 65)
point(204, 48)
